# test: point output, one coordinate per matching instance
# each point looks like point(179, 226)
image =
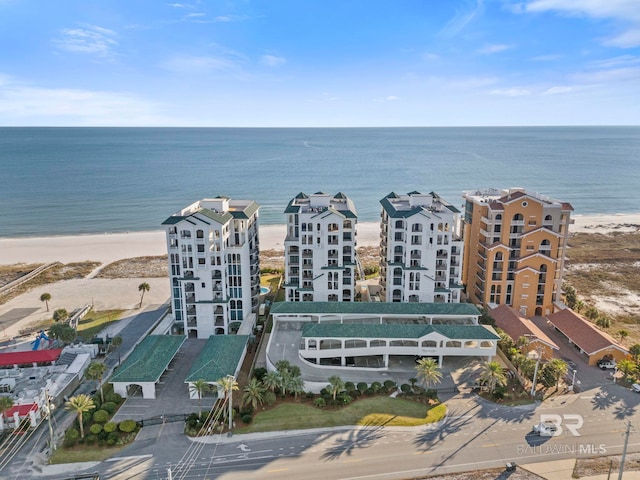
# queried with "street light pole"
point(49, 413)
point(232, 380)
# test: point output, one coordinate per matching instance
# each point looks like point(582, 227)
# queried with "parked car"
point(545, 429)
point(606, 364)
point(635, 387)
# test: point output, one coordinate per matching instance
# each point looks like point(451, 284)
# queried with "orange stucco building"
point(514, 249)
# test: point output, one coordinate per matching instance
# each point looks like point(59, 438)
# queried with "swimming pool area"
point(264, 290)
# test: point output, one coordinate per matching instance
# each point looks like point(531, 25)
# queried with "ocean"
point(59, 181)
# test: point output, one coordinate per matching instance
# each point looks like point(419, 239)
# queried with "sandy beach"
point(107, 248)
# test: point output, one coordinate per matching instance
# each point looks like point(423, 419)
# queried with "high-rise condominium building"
point(213, 266)
point(515, 243)
point(320, 248)
point(420, 249)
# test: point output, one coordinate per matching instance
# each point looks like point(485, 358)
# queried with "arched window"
point(499, 216)
point(518, 217)
point(498, 256)
point(199, 234)
point(399, 224)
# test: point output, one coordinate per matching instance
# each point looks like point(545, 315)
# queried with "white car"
point(545, 429)
point(635, 387)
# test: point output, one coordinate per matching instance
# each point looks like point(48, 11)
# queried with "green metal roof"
point(173, 219)
point(367, 330)
point(149, 359)
point(219, 357)
point(375, 308)
point(388, 206)
point(247, 212)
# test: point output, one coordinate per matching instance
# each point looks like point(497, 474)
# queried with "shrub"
point(309, 395)
point(101, 416)
point(375, 386)
point(324, 392)
point(91, 439)
point(345, 398)
point(113, 397)
point(247, 410)
point(113, 438)
point(270, 398)
point(110, 427)
point(369, 391)
point(362, 387)
point(110, 407)
point(71, 437)
point(259, 373)
point(349, 387)
point(127, 426)
point(95, 429)
point(247, 418)
point(390, 384)
point(320, 402)
point(431, 394)
point(405, 388)
point(383, 389)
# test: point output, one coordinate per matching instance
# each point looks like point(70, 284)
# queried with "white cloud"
point(388, 98)
point(628, 39)
point(511, 92)
point(187, 64)
point(90, 39)
point(272, 61)
point(462, 17)
point(547, 58)
point(192, 15)
point(557, 90)
point(32, 105)
point(431, 56)
point(489, 49)
point(622, 60)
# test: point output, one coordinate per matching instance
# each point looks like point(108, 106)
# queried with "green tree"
point(603, 322)
point(5, 404)
point(45, 297)
point(253, 393)
point(228, 385)
point(506, 342)
point(570, 296)
point(623, 334)
point(80, 404)
point(143, 287)
point(116, 341)
point(592, 313)
point(296, 386)
point(559, 369)
point(95, 371)
point(336, 385)
point(627, 367)
point(493, 376)
point(579, 306)
point(634, 350)
point(62, 332)
point(199, 387)
point(428, 371)
point(271, 380)
point(486, 318)
point(60, 315)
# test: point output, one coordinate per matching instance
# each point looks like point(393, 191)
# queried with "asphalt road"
point(476, 434)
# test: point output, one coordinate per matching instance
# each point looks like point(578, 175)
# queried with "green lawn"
point(370, 411)
point(83, 453)
point(93, 322)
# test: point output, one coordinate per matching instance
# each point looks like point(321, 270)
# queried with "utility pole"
point(624, 450)
point(538, 354)
point(232, 380)
point(52, 442)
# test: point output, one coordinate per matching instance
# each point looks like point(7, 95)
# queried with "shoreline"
point(109, 247)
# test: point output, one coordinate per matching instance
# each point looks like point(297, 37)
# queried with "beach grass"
point(376, 411)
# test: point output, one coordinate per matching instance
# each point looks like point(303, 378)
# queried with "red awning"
point(23, 410)
point(29, 356)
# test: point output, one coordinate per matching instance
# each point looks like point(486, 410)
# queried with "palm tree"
point(95, 371)
point(60, 315)
point(429, 371)
point(634, 350)
point(336, 385)
point(623, 334)
point(493, 375)
point(296, 385)
point(271, 381)
point(80, 404)
point(143, 287)
point(559, 368)
point(63, 332)
point(627, 367)
point(253, 393)
point(228, 385)
point(45, 297)
point(199, 387)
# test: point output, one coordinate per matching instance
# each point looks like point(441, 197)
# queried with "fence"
point(25, 278)
point(177, 417)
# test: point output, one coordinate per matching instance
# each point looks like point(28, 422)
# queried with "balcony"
point(190, 299)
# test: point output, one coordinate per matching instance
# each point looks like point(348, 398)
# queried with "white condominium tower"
point(213, 266)
point(320, 248)
point(420, 249)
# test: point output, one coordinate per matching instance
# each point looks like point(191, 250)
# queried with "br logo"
point(570, 421)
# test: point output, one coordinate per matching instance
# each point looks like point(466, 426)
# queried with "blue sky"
point(278, 63)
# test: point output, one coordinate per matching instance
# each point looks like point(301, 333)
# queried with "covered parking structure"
point(221, 356)
point(146, 364)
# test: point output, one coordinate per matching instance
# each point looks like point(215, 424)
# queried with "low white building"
point(365, 335)
point(320, 248)
point(420, 249)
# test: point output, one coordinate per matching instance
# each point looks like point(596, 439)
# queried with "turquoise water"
point(57, 181)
